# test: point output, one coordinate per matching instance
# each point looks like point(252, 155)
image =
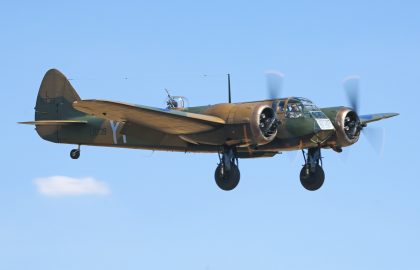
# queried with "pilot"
point(281, 106)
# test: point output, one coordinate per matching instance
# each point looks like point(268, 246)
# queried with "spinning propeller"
point(375, 136)
point(274, 87)
point(274, 84)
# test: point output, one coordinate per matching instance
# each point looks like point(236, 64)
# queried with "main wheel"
point(75, 153)
point(314, 180)
point(227, 180)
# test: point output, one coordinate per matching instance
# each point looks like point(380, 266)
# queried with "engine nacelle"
point(347, 124)
point(258, 120)
point(247, 124)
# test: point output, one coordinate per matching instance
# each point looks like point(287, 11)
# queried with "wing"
point(54, 122)
point(365, 119)
point(169, 121)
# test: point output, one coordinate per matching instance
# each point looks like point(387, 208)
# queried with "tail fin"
point(54, 102)
point(55, 98)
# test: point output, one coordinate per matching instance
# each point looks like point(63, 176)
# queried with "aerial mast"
point(229, 92)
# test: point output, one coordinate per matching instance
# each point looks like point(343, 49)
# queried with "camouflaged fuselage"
point(292, 133)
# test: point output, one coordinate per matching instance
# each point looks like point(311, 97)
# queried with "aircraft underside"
point(227, 174)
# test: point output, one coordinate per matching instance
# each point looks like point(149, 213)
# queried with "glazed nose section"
point(323, 125)
point(323, 128)
point(321, 122)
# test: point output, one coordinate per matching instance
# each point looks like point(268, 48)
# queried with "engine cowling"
point(254, 124)
point(247, 124)
point(348, 127)
point(263, 125)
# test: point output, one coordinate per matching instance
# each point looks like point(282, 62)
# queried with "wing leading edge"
point(169, 121)
point(54, 122)
point(368, 118)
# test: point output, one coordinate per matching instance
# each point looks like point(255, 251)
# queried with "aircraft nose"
point(323, 129)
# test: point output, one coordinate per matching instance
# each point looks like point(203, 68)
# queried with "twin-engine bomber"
point(232, 130)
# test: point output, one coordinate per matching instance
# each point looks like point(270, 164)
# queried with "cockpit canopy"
point(297, 107)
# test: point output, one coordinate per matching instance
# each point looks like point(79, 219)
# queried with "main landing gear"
point(312, 175)
point(75, 153)
point(227, 173)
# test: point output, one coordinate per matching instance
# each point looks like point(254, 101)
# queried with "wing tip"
point(376, 117)
point(389, 115)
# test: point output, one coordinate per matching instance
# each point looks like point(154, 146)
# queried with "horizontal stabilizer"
point(365, 119)
point(54, 122)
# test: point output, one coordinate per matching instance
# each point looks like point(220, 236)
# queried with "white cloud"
point(68, 186)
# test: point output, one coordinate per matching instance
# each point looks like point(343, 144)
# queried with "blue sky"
point(163, 210)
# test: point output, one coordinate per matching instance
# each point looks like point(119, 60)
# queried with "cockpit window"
point(318, 115)
point(294, 110)
point(300, 107)
point(281, 106)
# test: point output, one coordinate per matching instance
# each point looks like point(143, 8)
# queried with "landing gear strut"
point(227, 173)
point(75, 153)
point(312, 175)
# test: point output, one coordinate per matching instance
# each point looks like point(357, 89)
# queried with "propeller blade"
point(274, 84)
point(376, 138)
point(351, 86)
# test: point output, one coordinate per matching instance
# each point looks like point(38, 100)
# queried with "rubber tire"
point(75, 154)
point(314, 180)
point(228, 181)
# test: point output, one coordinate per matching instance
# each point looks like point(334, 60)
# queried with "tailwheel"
point(312, 179)
point(227, 173)
point(312, 175)
point(75, 153)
